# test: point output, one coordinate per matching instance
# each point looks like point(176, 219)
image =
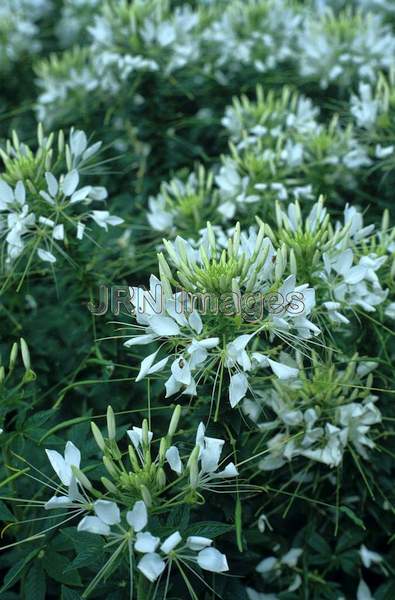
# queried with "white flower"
point(151, 566)
point(137, 517)
point(369, 557)
point(46, 256)
point(103, 218)
point(107, 514)
point(62, 465)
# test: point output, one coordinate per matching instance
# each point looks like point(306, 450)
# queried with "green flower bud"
point(146, 496)
point(160, 478)
point(175, 418)
point(13, 356)
point(133, 459)
point(111, 468)
point(110, 487)
point(25, 354)
point(81, 478)
point(111, 427)
point(98, 436)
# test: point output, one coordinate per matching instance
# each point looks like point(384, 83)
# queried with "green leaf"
point(351, 515)
point(5, 513)
point(16, 571)
point(68, 594)
point(89, 556)
point(210, 529)
point(56, 566)
point(35, 586)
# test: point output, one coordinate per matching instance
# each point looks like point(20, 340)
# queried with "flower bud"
point(160, 478)
point(175, 418)
point(108, 463)
point(292, 263)
point(111, 428)
point(194, 474)
point(98, 436)
point(2, 374)
point(146, 496)
point(25, 354)
point(110, 487)
point(145, 438)
point(133, 459)
point(13, 356)
point(162, 449)
point(81, 478)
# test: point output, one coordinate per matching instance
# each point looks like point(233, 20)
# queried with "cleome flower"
point(43, 213)
point(318, 416)
point(199, 326)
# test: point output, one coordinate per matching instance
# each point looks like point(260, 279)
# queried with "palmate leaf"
point(35, 584)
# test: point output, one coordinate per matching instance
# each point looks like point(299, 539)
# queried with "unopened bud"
point(110, 487)
point(98, 436)
point(175, 418)
point(2, 374)
point(133, 458)
point(144, 435)
point(160, 478)
point(194, 474)
point(292, 263)
point(25, 354)
point(13, 356)
point(111, 428)
point(108, 463)
point(81, 478)
point(146, 496)
point(162, 449)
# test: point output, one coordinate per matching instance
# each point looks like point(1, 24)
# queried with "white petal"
point(181, 371)
point(211, 559)
point(137, 517)
point(197, 542)
point(210, 454)
point(164, 326)
point(140, 340)
point(237, 388)
point(151, 566)
point(46, 256)
point(52, 184)
point(93, 525)
point(282, 371)
point(80, 194)
point(136, 436)
point(229, 471)
point(107, 511)
point(58, 232)
point(59, 466)
point(72, 455)
point(171, 542)
point(363, 592)
point(80, 230)
point(58, 502)
point(6, 193)
point(147, 366)
point(145, 542)
point(196, 322)
point(173, 458)
point(70, 183)
point(20, 193)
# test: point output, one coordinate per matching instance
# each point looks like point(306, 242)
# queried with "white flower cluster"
point(343, 49)
point(36, 219)
point(108, 521)
point(322, 426)
point(19, 30)
point(336, 258)
point(188, 329)
point(274, 568)
point(220, 41)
